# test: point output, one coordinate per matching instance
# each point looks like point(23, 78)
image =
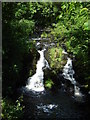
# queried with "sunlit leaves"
point(83, 11)
point(49, 83)
point(11, 111)
point(63, 7)
point(86, 25)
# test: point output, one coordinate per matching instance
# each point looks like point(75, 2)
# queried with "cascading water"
point(49, 104)
point(35, 82)
point(68, 73)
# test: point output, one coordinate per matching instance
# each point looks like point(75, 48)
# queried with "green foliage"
point(72, 29)
point(11, 111)
point(73, 17)
point(44, 35)
point(27, 26)
point(86, 25)
point(49, 83)
point(16, 47)
point(59, 31)
point(56, 58)
point(41, 12)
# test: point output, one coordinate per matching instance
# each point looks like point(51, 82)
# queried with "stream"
point(41, 103)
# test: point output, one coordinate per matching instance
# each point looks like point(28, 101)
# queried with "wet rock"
point(49, 74)
point(68, 87)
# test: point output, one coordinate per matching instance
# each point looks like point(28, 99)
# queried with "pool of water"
point(53, 105)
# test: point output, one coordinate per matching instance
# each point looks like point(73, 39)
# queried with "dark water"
point(53, 105)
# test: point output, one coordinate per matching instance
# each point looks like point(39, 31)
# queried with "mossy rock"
point(56, 58)
point(35, 58)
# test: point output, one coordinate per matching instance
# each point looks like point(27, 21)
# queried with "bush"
point(49, 83)
point(11, 111)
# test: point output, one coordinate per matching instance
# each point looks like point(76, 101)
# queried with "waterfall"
point(35, 82)
point(68, 73)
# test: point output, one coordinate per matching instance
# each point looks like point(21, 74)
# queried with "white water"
point(68, 73)
point(47, 108)
point(35, 82)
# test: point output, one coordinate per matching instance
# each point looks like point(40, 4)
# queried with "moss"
point(56, 58)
